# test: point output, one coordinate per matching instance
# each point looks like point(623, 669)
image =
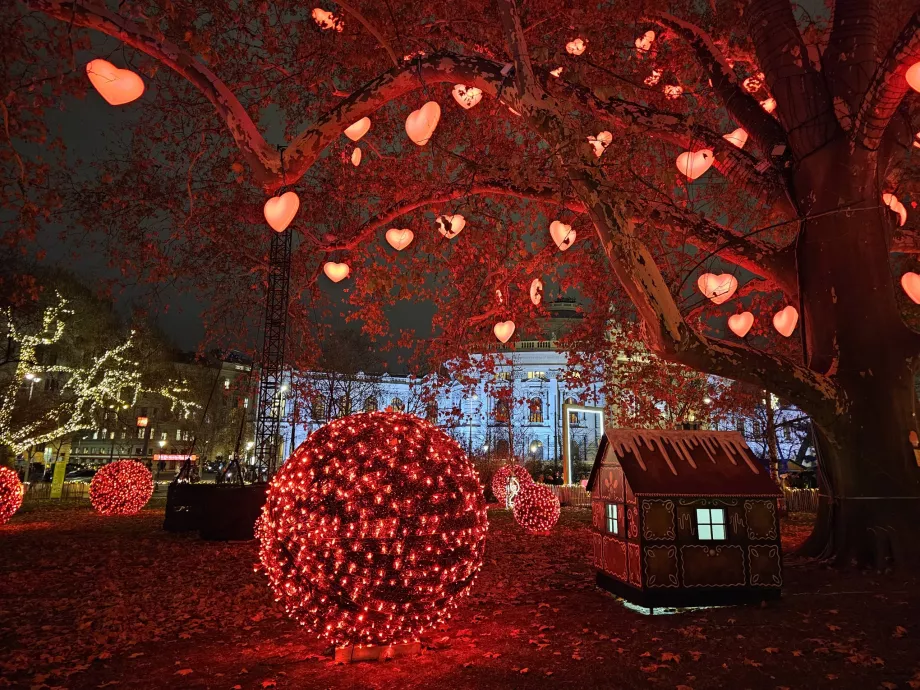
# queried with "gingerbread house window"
point(613, 519)
point(710, 524)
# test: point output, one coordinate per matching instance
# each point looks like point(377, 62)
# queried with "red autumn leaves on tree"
point(796, 215)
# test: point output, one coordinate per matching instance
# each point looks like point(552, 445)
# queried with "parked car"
point(80, 476)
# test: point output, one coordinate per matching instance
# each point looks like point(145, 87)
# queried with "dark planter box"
point(230, 512)
point(185, 505)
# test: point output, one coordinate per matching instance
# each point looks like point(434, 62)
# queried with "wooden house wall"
point(618, 555)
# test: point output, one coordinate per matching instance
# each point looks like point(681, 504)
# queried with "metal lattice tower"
point(268, 441)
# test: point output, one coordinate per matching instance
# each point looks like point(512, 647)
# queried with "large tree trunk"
point(853, 331)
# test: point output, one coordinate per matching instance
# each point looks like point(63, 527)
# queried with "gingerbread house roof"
point(684, 463)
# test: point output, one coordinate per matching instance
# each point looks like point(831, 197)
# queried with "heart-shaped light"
point(421, 123)
point(600, 142)
point(769, 104)
point(562, 234)
point(280, 210)
point(335, 271)
point(694, 164)
point(556, 72)
point(503, 330)
point(576, 47)
point(358, 129)
point(644, 42)
point(910, 282)
point(451, 225)
point(739, 138)
point(891, 201)
point(718, 288)
point(356, 157)
point(466, 96)
point(399, 239)
point(498, 297)
point(784, 321)
point(326, 20)
point(741, 323)
point(913, 76)
point(116, 86)
point(536, 291)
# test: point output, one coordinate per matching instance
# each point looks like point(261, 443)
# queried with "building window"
point(541, 375)
point(503, 376)
point(370, 405)
point(710, 524)
point(226, 384)
point(536, 411)
point(613, 518)
point(431, 412)
point(501, 411)
point(397, 405)
point(318, 408)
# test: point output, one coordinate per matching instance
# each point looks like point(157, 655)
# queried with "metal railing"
point(801, 500)
point(571, 495)
point(38, 491)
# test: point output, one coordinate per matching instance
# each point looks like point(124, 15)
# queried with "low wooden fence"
point(572, 495)
point(38, 491)
point(801, 500)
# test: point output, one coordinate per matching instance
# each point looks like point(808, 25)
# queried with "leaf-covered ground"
point(92, 602)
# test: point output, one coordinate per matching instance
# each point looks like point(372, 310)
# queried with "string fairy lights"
point(11, 490)
point(505, 478)
point(536, 508)
point(122, 487)
point(373, 529)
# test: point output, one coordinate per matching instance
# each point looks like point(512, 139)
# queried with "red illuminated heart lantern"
point(451, 225)
point(718, 288)
point(466, 96)
point(358, 129)
point(694, 164)
point(536, 291)
point(503, 330)
point(356, 157)
point(784, 321)
point(576, 47)
point(562, 234)
point(913, 76)
point(280, 210)
point(336, 272)
point(399, 239)
point(910, 282)
point(891, 201)
point(769, 104)
point(421, 123)
point(741, 323)
point(116, 86)
point(739, 138)
point(600, 142)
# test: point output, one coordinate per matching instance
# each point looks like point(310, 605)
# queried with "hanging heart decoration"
point(739, 138)
point(400, 239)
point(466, 96)
point(556, 72)
point(718, 288)
point(692, 165)
point(891, 201)
point(326, 20)
point(116, 86)
point(536, 291)
point(769, 104)
point(672, 91)
point(503, 330)
point(421, 123)
point(451, 225)
point(336, 271)
point(785, 320)
point(913, 76)
point(562, 234)
point(498, 296)
point(644, 42)
point(576, 47)
point(356, 157)
point(280, 210)
point(358, 129)
point(601, 142)
point(910, 282)
point(741, 323)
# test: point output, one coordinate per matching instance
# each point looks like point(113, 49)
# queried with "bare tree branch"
point(348, 7)
point(888, 87)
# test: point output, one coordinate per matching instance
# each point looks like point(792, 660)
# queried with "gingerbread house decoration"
point(684, 518)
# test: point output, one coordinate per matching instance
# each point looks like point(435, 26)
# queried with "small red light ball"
point(11, 490)
point(536, 508)
point(122, 487)
point(503, 475)
point(373, 529)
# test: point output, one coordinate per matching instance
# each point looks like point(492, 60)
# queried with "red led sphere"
point(10, 494)
point(536, 508)
point(373, 528)
point(503, 475)
point(122, 487)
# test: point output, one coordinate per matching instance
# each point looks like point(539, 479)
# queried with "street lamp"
point(33, 379)
point(707, 400)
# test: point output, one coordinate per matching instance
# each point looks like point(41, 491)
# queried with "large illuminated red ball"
point(373, 528)
point(122, 487)
point(536, 508)
point(503, 475)
point(10, 494)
